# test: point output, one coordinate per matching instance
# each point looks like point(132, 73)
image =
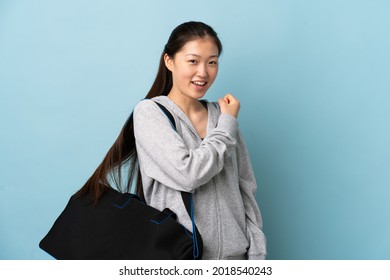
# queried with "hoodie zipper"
point(218, 219)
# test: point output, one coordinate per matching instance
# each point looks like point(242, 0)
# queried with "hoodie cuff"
point(229, 124)
point(256, 257)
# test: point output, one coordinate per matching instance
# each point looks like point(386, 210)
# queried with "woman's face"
point(194, 68)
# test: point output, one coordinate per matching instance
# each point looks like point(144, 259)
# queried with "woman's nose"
point(202, 70)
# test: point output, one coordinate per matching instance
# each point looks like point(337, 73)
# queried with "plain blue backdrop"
point(312, 77)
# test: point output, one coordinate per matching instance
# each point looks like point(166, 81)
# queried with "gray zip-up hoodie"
point(217, 170)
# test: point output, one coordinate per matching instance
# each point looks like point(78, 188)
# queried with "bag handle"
point(186, 196)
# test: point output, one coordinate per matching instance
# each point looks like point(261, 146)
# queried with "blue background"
point(312, 76)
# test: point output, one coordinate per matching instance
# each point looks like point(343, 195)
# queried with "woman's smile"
point(199, 84)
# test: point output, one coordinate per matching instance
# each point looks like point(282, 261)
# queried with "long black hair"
point(121, 161)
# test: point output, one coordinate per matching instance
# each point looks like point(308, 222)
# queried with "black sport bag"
point(120, 226)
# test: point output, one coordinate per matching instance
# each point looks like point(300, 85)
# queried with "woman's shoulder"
point(154, 102)
point(145, 107)
point(145, 104)
point(152, 109)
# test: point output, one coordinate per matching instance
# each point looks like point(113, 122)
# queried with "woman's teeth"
point(199, 83)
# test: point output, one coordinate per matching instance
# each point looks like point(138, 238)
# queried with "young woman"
point(205, 155)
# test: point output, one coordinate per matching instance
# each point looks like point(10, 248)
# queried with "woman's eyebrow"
point(196, 55)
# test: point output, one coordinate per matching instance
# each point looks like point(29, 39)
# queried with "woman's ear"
point(168, 62)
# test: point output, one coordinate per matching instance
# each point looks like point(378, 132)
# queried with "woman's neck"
point(195, 111)
point(188, 105)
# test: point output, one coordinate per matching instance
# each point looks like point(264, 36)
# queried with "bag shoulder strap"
point(168, 114)
point(186, 197)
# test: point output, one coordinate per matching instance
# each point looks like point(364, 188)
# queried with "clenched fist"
point(229, 105)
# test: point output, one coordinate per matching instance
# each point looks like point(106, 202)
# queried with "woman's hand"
point(229, 105)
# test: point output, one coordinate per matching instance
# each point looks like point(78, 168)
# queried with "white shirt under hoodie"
point(217, 170)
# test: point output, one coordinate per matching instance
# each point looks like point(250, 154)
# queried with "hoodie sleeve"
point(247, 181)
point(164, 156)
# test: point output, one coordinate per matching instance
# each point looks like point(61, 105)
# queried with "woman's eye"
point(213, 62)
point(192, 61)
